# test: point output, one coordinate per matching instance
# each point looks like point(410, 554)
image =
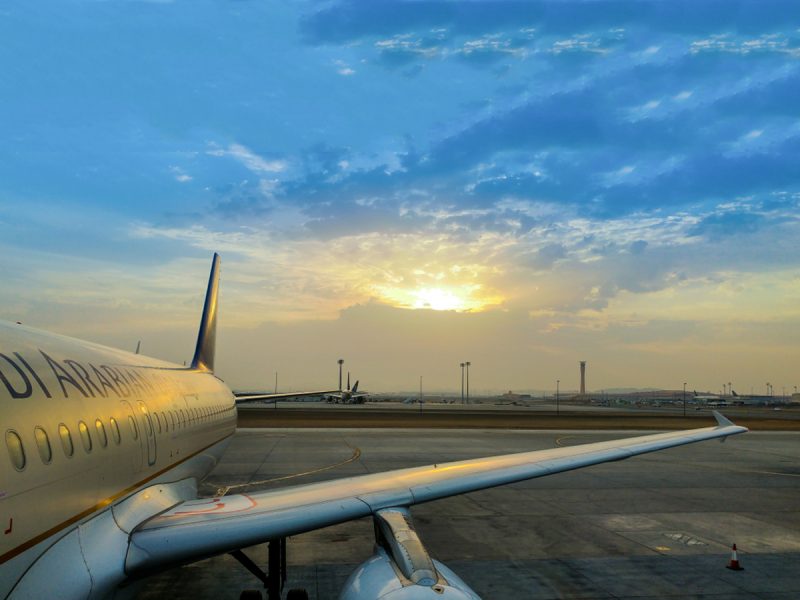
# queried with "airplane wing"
point(243, 398)
point(198, 529)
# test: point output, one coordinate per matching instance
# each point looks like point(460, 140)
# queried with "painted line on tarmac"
point(560, 440)
point(355, 456)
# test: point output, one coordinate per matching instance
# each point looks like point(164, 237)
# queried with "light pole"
point(462, 383)
point(467, 364)
point(684, 398)
point(341, 362)
point(558, 411)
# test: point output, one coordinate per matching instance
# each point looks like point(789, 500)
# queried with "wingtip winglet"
point(722, 421)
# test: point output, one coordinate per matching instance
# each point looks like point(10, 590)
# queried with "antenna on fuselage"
point(138, 346)
point(207, 336)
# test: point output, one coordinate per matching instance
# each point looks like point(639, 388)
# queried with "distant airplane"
point(347, 396)
point(711, 400)
point(104, 450)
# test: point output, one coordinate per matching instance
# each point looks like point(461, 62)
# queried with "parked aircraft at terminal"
point(104, 449)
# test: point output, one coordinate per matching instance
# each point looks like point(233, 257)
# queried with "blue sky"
point(609, 181)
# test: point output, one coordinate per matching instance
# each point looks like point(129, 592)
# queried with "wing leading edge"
point(198, 529)
point(244, 398)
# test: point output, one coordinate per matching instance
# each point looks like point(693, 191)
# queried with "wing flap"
point(201, 528)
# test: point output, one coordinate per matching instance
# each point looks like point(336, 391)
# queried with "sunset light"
point(464, 298)
point(412, 184)
point(439, 299)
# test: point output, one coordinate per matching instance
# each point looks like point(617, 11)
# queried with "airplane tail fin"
point(207, 336)
point(355, 387)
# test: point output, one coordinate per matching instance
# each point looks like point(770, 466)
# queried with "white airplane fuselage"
point(85, 429)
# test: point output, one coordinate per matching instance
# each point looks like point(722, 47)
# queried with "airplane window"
point(43, 444)
point(134, 430)
point(101, 433)
point(166, 422)
point(183, 417)
point(158, 421)
point(172, 418)
point(86, 439)
point(66, 440)
point(115, 431)
point(15, 450)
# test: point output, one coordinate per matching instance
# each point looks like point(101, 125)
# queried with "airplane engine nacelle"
point(379, 577)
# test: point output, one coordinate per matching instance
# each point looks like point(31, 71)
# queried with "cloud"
point(728, 224)
point(249, 159)
point(738, 45)
point(548, 255)
point(341, 22)
point(342, 68)
point(180, 175)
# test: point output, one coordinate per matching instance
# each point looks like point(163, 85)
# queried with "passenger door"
point(131, 428)
point(149, 433)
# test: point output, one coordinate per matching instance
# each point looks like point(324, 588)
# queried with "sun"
point(438, 299)
point(458, 298)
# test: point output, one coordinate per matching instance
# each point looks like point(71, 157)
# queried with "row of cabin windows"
point(16, 450)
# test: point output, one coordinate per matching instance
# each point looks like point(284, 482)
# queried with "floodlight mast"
point(558, 410)
point(467, 364)
point(462, 383)
point(684, 398)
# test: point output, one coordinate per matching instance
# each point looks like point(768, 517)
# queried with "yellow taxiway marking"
point(355, 456)
point(734, 469)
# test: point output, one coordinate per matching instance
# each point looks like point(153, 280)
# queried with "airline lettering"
point(74, 377)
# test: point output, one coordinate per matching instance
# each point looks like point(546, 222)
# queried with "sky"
point(411, 185)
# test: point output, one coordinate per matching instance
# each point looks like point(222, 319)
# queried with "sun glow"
point(456, 298)
point(438, 299)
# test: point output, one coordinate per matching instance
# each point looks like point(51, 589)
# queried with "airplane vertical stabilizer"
point(207, 336)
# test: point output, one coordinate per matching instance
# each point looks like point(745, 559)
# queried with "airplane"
point(103, 450)
point(348, 396)
point(710, 400)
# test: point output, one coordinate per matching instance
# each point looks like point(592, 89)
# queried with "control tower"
point(583, 378)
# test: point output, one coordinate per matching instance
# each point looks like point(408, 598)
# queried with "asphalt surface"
point(504, 416)
point(655, 526)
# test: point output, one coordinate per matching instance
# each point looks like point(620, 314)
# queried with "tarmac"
point(655, 526)
point(506, 416)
